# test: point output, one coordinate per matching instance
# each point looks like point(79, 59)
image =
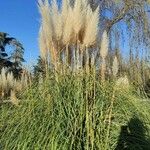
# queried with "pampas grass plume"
point(44, 9)
point(3, 78)
point(64, 12)
point(68, 27)
point(56, 20)
point(103, 53)
point(42, 44)
point(115, 66)
point(58, 28)
point(10, 79)
point(104, 45)
point(92, 21)
point(77, 16)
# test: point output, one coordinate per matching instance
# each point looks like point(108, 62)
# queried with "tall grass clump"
point(75, 106)
point(61, 114)
point(9, 86)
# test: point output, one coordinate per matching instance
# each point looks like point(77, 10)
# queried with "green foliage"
point(17, 54)
point(14, 60)
point(74, 112)
point(39, 68)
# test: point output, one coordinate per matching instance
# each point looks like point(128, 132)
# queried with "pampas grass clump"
point(72, 25)
point(8, 82)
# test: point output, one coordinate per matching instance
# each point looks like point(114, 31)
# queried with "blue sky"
point(20, 19)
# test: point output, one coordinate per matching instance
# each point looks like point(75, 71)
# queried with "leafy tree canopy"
point(12, 60)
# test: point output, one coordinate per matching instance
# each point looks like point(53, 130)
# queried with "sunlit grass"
point(70, 112)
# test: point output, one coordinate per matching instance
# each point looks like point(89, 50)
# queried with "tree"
point(4, 60)
point(126, 20)
point(14, 60)
point(17, 54)
point(39, 68)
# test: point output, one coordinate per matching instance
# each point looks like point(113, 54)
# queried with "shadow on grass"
point(133, 136)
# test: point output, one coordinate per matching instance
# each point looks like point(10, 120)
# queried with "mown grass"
point(75, 112)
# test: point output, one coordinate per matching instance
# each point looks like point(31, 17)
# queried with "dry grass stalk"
point(87, 61)
point(103, 70)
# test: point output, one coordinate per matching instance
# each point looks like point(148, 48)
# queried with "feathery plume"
point(92, 27)
point(48, 28)
point(58, 26)
point(3, 78)
point(44, 9)
point(10, 79)
point(103, 53)
point(54, 8)
point(42, 44)
point(84, 4)
point(64, 12)
point(68, 27)
point(104, 45)
point(77, 16)
point(115, 66)
point(57, 20)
